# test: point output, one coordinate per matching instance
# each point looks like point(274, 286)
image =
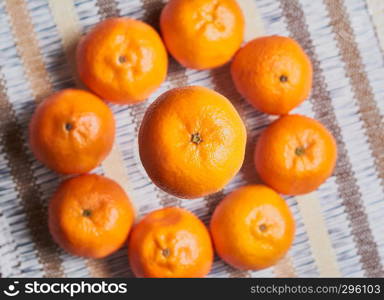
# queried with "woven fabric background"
point(339, 227)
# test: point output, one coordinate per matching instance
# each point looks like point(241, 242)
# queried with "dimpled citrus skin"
point(90, 216)
point(273, 73)
point(170, 242)
point(72, 131)
point(122, 60)
point(295, 155)
point(192, 141)
point(202, 34)
point(252, 228)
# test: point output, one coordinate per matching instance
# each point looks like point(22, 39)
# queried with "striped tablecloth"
point(340, 227)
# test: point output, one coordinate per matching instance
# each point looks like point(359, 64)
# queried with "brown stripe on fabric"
point(107, 8)
point(20, 162)
point(369, 112)
point(98, 268)
point(284, 268)
point(348, 189)
point(152, 10)
point(376, 12)
point(28, 48)
point(20, 166)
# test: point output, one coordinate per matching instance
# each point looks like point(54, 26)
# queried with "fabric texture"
point(339, 226)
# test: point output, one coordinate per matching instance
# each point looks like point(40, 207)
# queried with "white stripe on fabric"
point(18, 239)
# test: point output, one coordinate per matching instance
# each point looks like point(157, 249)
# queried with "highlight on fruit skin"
point(273, 73)
point(202, 34)
point(90, 216)
point(252, 228)
point(295, 154)
point(192, 141)
point(122, 60)
point(72, 131)
point(170, 242)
